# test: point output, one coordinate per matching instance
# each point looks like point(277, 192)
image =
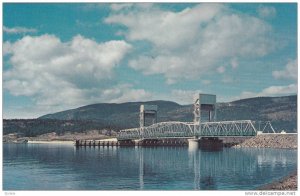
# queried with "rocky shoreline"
point(288, 183)
point(288, 141)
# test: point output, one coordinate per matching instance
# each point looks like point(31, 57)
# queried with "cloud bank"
point(266, 11)
point(290, 71)
point(271, 91)
point(55, 73)
point(18, 30)
point(195, 41)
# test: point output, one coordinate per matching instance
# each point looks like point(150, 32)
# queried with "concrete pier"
point(126, 143)
point(210, 143)
point(93, 143)
point(138, 142)
point(193, 144)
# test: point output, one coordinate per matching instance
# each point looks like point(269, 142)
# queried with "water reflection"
point(141, 168)
point(211, 168)
point(48, 167)
point(194, 163)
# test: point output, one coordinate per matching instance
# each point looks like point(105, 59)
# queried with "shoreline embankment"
point(284, 141)
point(287, 141)
point(287, 183)
point(50, 142)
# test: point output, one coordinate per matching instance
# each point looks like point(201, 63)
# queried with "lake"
point(64, 167)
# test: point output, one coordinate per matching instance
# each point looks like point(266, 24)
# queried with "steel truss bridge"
point(174, 129)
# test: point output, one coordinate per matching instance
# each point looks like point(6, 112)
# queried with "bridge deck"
point(189, 129)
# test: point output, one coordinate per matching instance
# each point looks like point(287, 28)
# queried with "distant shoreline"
point(50, 142)
point(54, 138)
point(63, 141)
point(286, 141)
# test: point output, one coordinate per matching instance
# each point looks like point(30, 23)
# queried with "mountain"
point(281, 111)
point(124, 115)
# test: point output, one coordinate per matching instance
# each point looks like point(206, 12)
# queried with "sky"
point(62, 56)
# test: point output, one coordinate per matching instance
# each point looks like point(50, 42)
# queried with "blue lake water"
point(63, 167)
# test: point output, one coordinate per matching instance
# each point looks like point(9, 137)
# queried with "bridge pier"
point(211, 143)
point(126, 143)
point(193, 144)
point(138, 142)
point(205, 143)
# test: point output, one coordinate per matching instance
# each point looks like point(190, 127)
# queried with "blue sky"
point(63, 56)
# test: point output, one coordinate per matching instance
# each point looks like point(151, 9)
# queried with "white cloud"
point(227, 79)
point(280, 90)
point(194, 41)
point(7, 48)
point(116, 7)
point(271, 91)
point(164, 28)
point(234, 63)
point(290, 71)
point(80, 60)
point(56, 74)
point(25, 112)
point(206, 82)
point(179, 96)
point(266, 11)
point(124, 93)
point(120, 6)
point(18, 30)
point(129, 95)
point(184, 96)
point(221, 69)
point(52, 100)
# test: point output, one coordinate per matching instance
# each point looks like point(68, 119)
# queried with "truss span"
point(176, 129)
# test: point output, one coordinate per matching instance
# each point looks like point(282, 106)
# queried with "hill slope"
point(282, 111)
point(123, 115)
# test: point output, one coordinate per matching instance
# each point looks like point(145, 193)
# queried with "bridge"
point(173, 129)
point(204, 110)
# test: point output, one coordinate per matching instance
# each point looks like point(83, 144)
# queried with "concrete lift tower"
point(204, 111)
point(148, 112)
point(205, 108)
